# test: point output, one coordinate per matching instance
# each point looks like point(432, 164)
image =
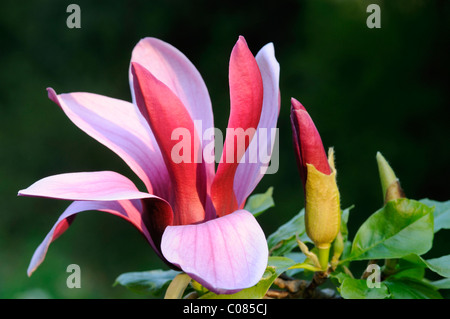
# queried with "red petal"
point(246, 97)
point(166, 113)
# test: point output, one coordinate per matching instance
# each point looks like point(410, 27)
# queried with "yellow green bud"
point(322, 209)
point(389, 182)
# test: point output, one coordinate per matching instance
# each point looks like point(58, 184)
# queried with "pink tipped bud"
point(307, 142)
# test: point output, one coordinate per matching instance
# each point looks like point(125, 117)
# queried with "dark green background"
point(367, 90)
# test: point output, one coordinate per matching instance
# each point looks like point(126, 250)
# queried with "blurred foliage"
point(367, 90)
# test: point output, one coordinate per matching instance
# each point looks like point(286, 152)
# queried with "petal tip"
point(52, 95)
point(241, 43)
point(296, 105)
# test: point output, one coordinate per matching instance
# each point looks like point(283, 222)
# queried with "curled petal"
point(99, 186)
point(225, 255)
point(130, 210)
point(119, 126)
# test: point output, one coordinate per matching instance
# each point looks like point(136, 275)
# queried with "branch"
point(297, 288)
point(366, 273)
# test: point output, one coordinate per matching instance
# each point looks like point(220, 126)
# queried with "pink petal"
point(119, 126)
point(99, 186)
point(131, 211)
point(166, 113)
point(173, 68)
point(253, 165)
point(225, 255)
point(246, 96)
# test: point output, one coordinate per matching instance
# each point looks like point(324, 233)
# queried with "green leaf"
point(359, 289)
point(441, 284)
point(276, 266)
point(408, 288)
point(412, 272)
point(400, 228)
point(441, 213)
point(299, 258)
point(259, 203)
point(338, 277)
point(439, 265)
point(153, 282)
point(283, 240)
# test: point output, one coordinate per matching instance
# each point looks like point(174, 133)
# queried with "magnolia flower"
point(191, 214)
point(322, 207)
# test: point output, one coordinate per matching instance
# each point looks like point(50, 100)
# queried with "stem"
point(324, 254)
point(366, 274)
point(177, 286)
point(305, 266)
point(318, 279)
point(389, 266)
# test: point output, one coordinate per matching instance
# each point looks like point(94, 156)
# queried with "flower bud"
point(389, 182)
point(322, 206)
